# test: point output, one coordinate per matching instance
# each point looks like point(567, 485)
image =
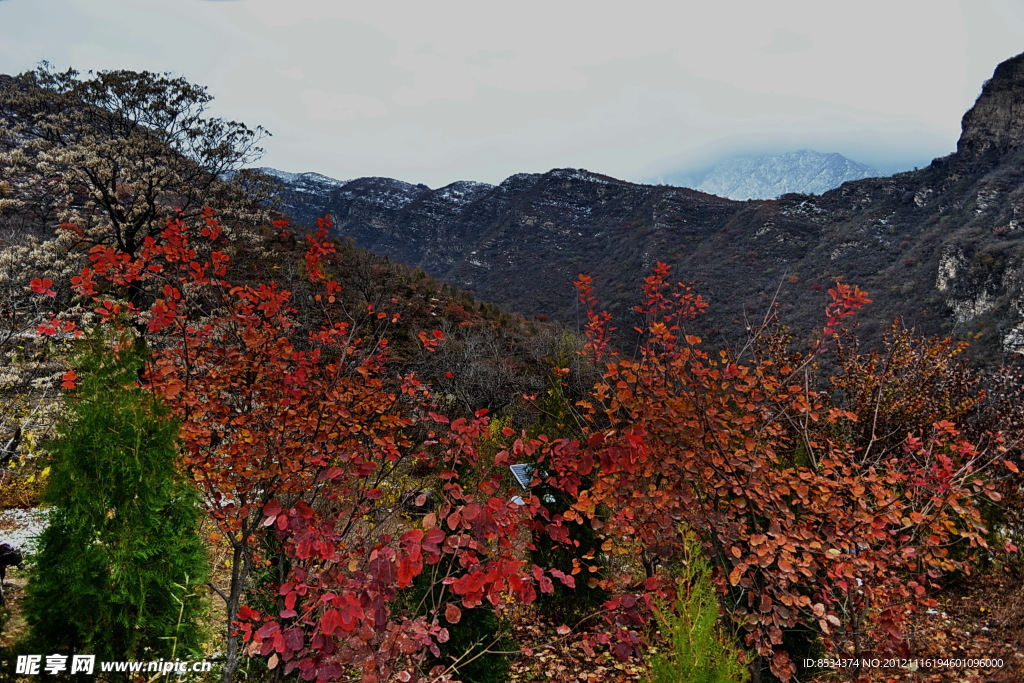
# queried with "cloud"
point(433, 92)
point(343, 106)
point(785, 41)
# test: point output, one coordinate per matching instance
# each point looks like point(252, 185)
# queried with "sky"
point(446, 90)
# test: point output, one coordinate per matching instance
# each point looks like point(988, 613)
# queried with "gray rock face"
point(996, 121)
point(772, 175)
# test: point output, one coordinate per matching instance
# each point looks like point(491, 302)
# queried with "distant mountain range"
point(941, 248)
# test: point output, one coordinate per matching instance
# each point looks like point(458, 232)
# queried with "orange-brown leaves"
point(814, 510)
point(846, 300)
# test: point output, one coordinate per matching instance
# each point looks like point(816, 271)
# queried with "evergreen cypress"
point(120, 567)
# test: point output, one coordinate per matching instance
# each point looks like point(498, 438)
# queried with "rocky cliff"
point(995, 124)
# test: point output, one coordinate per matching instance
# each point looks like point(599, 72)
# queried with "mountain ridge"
point(939, 248)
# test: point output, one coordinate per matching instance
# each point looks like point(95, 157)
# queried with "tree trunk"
point(755, 669)
point(233, 654)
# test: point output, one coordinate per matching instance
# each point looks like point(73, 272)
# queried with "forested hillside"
point(353, 472)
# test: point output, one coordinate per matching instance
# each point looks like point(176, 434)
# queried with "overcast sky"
point(432, 92)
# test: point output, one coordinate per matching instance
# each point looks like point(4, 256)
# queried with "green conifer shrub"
point(697, 649)
point(120, 568)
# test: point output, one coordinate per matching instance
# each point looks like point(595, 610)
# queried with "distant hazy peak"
point(770, 175)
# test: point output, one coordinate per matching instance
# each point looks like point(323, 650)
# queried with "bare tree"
point(115, 152)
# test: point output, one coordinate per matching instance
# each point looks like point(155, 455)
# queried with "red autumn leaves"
point(301, 433)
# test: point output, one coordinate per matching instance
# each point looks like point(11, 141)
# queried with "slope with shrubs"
point(349, 424)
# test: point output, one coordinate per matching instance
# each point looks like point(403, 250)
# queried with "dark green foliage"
point(803, 645)
point(566, 605)
point(478, 644)
point(478, 647)
point(120, 567)
point(698, 651)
